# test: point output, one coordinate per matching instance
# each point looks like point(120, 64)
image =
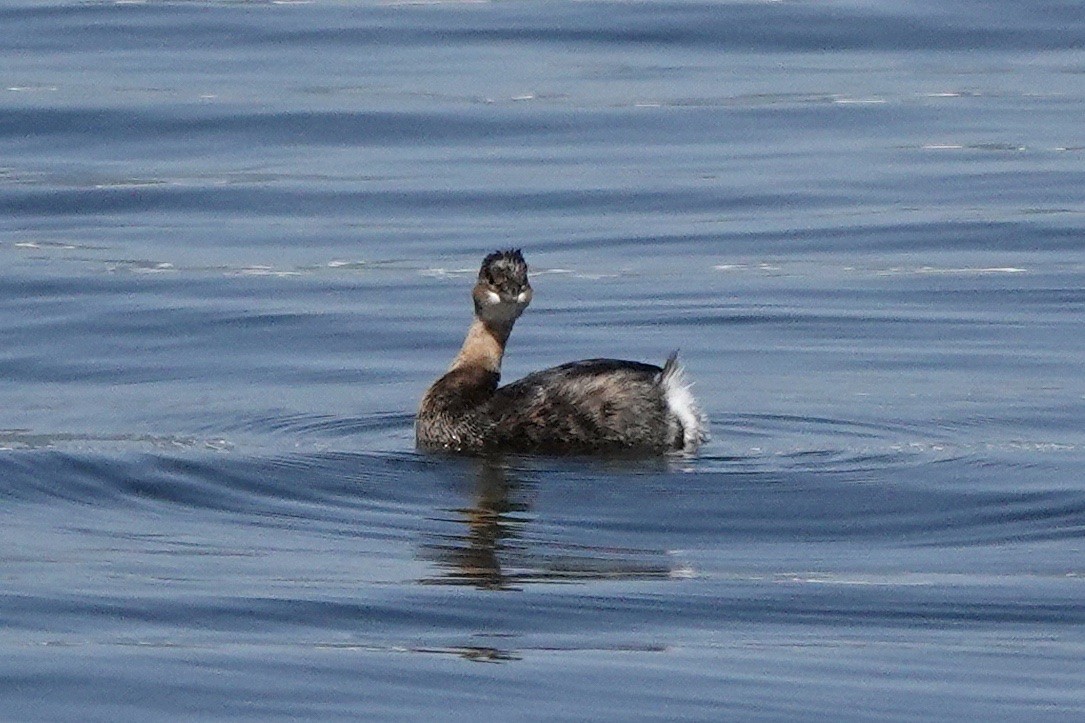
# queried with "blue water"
point(236, 244)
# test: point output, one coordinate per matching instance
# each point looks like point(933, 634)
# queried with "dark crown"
point(505, 270)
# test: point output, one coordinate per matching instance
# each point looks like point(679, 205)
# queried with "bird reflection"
point(494, 522)
point(491, 549)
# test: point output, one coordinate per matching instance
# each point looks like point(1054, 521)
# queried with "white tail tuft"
point(679, 398)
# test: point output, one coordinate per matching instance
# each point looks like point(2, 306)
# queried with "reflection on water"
point(494, 548)
point(495, 522)
point(476, 654)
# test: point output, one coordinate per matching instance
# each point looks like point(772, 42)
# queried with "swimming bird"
point(594, 406)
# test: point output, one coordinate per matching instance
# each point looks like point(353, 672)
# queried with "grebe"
point(583, 407)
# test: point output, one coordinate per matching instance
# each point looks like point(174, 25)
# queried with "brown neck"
point(484, 346)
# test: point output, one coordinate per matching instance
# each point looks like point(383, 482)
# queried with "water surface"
point(237, 243)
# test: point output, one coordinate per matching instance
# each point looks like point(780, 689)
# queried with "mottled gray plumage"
point(583, 407)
